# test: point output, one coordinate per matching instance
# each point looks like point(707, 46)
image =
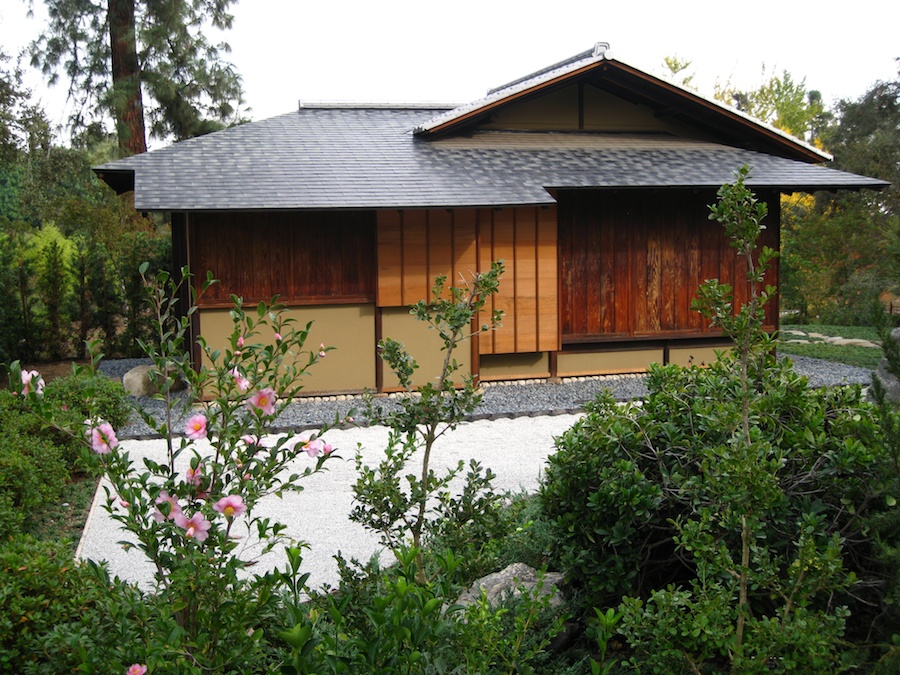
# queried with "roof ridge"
point(375, 105)
point(599, 49)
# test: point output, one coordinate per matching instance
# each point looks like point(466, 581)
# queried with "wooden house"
point(590, 179)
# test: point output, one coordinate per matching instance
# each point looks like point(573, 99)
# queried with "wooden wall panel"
point(416, 285)
point(415, 246)
point(439, 249)
point(641, 256)
point(390, 259)
point(525, 271)
point(547, 281)
point(304, 258)
point(503, 247)
point(465, 244)
point(462, 242)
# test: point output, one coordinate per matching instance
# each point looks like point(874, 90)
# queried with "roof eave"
point(120, 180)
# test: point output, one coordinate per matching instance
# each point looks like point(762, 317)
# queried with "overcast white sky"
point(453, 52)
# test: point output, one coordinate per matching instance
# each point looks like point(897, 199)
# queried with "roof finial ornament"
point(600, 49)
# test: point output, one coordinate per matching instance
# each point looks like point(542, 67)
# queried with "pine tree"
point(116, 53)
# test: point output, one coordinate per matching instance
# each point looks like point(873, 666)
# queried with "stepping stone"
point(853, 342)
point(817, 336)
point(798, 333)
point(797, 341)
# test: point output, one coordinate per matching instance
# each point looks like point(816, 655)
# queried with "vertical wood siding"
point(631, 262)
point(414, 246)
point(305, 258)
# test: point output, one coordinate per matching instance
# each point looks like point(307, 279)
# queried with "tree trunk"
point(128, 102)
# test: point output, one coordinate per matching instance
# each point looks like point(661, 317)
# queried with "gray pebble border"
point(521, 398)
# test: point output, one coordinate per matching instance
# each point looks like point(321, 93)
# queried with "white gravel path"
point(514, 449)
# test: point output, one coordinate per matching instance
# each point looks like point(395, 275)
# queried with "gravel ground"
point(512, 399)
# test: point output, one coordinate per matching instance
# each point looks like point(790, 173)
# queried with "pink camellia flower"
point(314, 448)
point(263, 400)
point(321, 351)
point(194, 527)
point(175, 508)
point(277, 337)
point(240, 341)
point(136, 669)
point(194, 476)
point(240, 381)
point(103, 438)
point(32, 381)
point(230, 506)
point(196, 427)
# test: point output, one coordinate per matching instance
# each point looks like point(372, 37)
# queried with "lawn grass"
point(853, 332)
point(64, 520)
point(862, 357)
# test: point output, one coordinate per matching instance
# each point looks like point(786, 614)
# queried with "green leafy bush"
point(83, 396)
point(43, 592)
point(729, 513)
point(33, 463)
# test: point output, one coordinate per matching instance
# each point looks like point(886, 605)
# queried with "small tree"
point(394, 505)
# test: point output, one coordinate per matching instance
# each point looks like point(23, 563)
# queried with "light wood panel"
point(458, 243)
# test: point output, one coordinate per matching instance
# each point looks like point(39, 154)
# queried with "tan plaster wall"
point(701, 356)
point(607, 363)
point(514, 366)
point(348, 328)
point(424, 345)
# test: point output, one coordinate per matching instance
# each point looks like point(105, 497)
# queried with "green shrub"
point(33, 466)
point(108, 398)
point(729, 514)
point(43, 592)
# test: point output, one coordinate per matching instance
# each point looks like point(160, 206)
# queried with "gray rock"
point(512, 581)
point(890, 381)
point(138, 382)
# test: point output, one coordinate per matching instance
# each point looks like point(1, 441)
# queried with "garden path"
point(514, 449)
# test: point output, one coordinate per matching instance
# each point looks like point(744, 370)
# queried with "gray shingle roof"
point(355, 158)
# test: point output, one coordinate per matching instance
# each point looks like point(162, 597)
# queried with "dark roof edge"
point(120, 180)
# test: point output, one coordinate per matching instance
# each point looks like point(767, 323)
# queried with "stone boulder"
point(511, 581)
point(890, 381)
point(138, 382)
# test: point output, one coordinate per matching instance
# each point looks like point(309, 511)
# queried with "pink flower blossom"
point(240, 341)
point(277, 337)
point(315, 447)
point(32, 381)
point(230, 506)
point(321, 351)
point(240, 381)
point(103, 438)
point(196, 427)
point(136, 669)
point(194, 527)
point(194, 476)
point(173, 511)
point(263, 400)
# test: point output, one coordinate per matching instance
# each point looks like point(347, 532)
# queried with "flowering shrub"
point(191, 512)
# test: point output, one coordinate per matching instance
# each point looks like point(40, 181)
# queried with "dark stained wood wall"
point(304, 257)
point(631, 262)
